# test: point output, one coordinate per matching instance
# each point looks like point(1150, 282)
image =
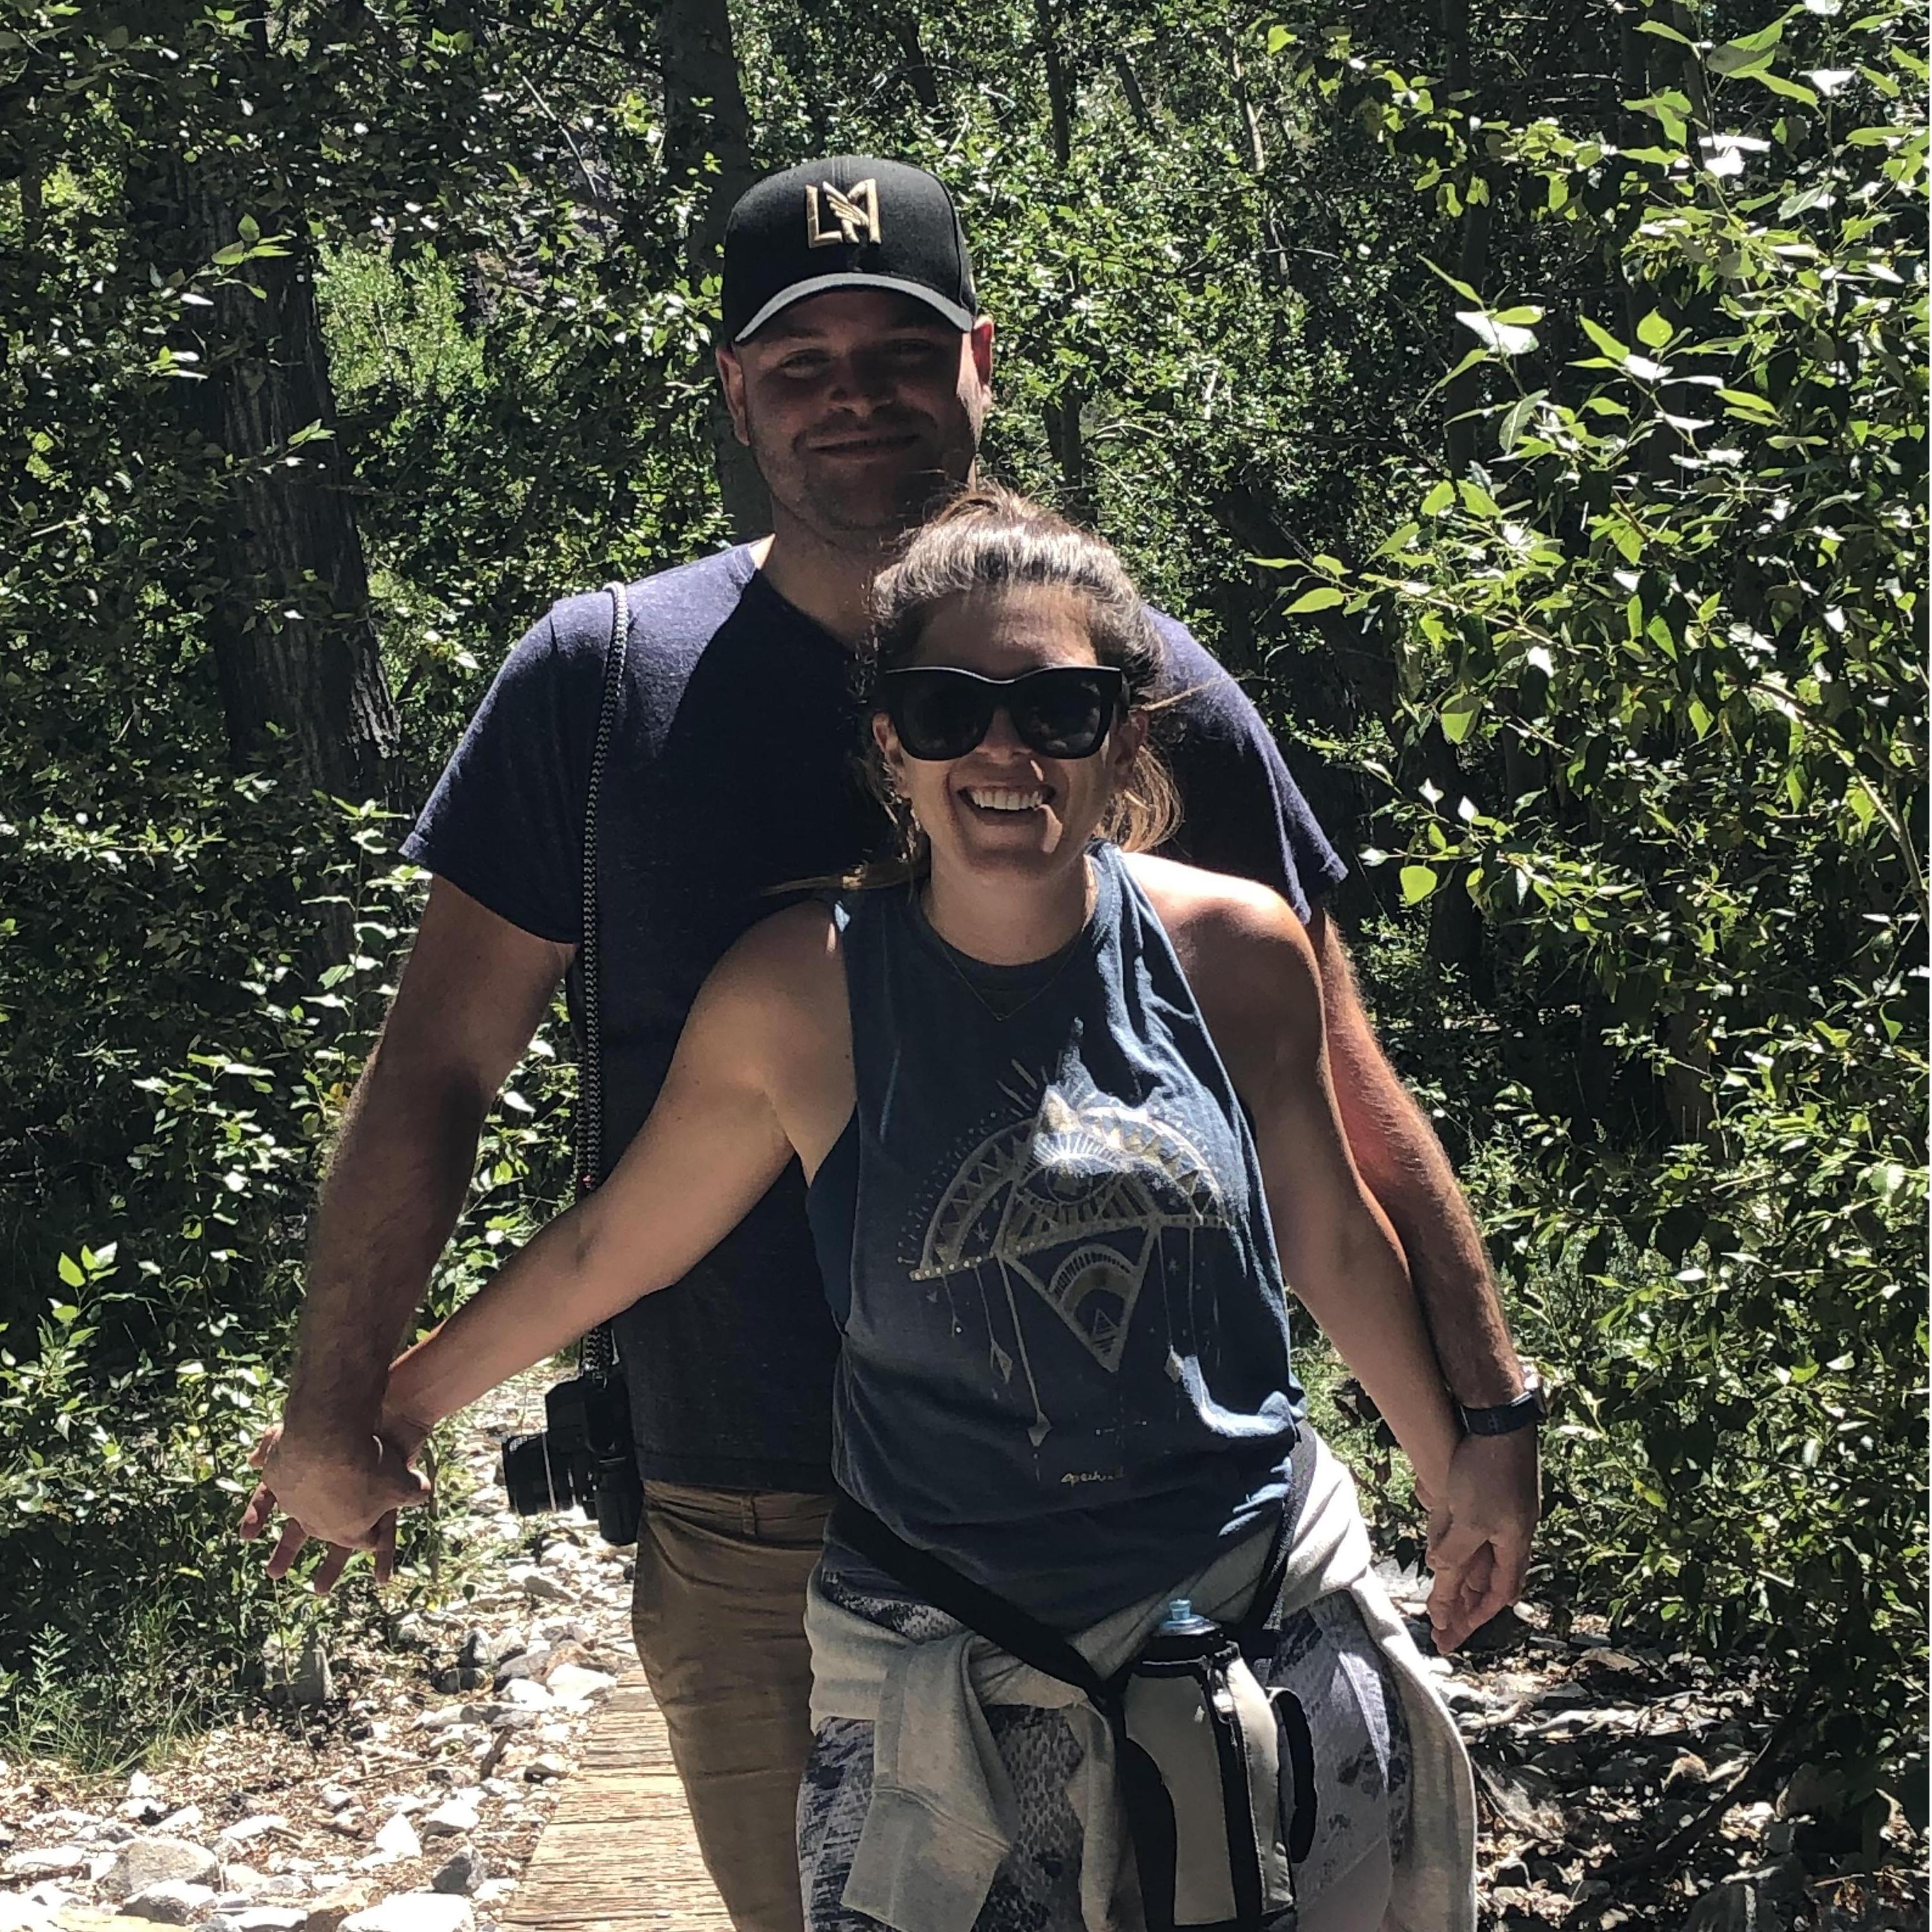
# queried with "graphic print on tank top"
point(1068, 1197)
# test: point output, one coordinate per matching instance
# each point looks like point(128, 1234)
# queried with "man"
point(857, 368)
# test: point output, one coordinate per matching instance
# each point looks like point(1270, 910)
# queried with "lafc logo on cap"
point(833, 216)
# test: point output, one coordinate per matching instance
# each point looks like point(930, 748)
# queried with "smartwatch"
point(1506, 1418)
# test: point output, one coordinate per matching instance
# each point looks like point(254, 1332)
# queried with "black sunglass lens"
point(940, 717)
point(1062, 715)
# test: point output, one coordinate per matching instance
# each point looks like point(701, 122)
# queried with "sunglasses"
point(1064, 711)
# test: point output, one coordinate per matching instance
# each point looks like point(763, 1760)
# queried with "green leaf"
point(1323, 597)
point(1509, 432)
point(1462, 288)
point(72, 1273)
point(1782, 84)
point(1615, 350)
point(1653, 332)
point(1503, 338)
point(1418, 883)
point(1440, 497)
point(1458, 714)
point(1477, 500)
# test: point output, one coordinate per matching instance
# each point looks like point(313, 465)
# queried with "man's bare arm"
point(1493, 1503)
point(471, 996)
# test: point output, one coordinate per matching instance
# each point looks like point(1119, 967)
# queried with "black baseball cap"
point(852, 222)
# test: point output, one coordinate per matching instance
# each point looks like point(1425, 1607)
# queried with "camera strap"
point(598, 1354)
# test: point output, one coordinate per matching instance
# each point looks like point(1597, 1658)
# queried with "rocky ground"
point(402, 1789)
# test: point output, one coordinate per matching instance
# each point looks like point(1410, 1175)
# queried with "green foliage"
point(1673, 622)
point(1549, 456)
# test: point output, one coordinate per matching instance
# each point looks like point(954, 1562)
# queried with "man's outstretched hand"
point(1480, 1529)
point(343, 1491)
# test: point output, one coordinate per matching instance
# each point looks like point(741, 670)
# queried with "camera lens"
point(532, 1483)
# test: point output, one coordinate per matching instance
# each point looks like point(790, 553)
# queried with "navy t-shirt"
point(733, 768)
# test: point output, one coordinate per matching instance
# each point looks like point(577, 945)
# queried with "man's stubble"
point(868, 519)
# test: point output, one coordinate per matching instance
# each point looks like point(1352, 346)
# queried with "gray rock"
point(539, 1586)
point(245, 1831)
point(327, 1913)
point(464, 1677)
point(50, 1861)
point(140, 1785)
point(461, 1875)
point(1812, 1791)
point(526, 1664)
point(270, 1918)
point(397, 1839)
point(524, 1694)
point(574, 1682)
point(545, 1766)
point(22, 1915)
point(297, 1676)
point(148, 1861)
point(185, 1820)
point(142, 1811)
point(1626, 1772)
point(172, 1901)
point(1782, 1879)
point(454, 1819)
point(337, 1797)
point(1754, 1901)
point(414, 1911)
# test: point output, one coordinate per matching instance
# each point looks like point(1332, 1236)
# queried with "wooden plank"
point(619, 1854)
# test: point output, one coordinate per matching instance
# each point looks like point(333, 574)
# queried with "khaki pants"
point(718, 1613)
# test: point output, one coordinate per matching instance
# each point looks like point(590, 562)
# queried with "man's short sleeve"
point(506, 822)
point(1241, 810)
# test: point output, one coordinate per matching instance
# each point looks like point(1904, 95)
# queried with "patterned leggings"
point(1324, 1653)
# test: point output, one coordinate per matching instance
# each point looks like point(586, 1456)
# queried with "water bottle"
point(1181, 1620)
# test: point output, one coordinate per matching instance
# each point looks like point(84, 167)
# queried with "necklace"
point(1001, 1009)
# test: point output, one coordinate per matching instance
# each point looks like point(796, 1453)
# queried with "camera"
point(584, 1455)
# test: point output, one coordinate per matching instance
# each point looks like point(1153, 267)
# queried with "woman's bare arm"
point(722, 1131)
point(1254, 974)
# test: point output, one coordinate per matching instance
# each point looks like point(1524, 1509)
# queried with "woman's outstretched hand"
point(343, 1491)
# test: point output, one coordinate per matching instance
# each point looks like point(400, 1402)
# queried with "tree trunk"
point(707, 137)
point(1472, 248)
point(1130, 86)
point(290, 624)
point(918, 69)
point(1059, 105)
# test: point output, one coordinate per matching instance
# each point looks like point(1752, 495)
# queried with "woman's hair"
point(991, 539)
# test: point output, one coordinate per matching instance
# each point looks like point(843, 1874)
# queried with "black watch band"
point(1506, 1418)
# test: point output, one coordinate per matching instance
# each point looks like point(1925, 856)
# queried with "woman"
point(1050, 1098)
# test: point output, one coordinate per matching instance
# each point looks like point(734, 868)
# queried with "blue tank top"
point(1065, 1366)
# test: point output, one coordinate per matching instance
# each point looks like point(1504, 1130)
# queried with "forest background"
point(1528, 403)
